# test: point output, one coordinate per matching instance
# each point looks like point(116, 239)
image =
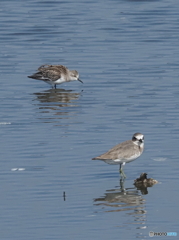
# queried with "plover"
point(124, 152)
point(55, 74)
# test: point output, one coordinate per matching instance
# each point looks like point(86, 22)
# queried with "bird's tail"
point(37, 76)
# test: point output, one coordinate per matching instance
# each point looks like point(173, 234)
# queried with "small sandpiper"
point(55, 74)
point(124, 152)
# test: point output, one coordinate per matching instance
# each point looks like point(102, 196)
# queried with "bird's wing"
point(51, 74)
point(120, 151)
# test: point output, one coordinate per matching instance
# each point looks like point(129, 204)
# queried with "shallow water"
point(127, 55)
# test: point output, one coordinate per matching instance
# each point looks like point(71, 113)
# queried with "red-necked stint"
point(55, 74)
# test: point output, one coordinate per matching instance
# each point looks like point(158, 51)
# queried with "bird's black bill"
point(80, 80)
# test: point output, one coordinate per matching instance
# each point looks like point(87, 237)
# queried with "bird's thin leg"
point(121, 171)
point(123, 174)
point(120, 166)
point(55, 86)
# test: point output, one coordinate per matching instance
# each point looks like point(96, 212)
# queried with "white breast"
point(60, 80)
point(133, 157)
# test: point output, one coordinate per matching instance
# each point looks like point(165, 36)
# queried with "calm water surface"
point(127, 55)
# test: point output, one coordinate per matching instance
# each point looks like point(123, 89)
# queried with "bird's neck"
point(141, 147)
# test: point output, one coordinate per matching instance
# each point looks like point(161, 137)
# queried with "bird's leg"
point(55, 86)
point(120, 166)
point(121, 171)
point(123, 174)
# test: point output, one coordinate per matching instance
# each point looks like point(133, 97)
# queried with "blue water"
point(127, 55)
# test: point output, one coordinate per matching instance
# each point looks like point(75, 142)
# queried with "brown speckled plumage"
point(55, 74)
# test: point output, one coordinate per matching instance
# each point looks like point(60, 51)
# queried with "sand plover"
point(55, 74)
point(124, 152)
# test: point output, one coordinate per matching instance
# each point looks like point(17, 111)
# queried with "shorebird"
point(124, 152)
point(55, 74)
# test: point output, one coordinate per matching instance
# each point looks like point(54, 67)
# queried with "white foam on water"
point(17, 169)
point(159, 159)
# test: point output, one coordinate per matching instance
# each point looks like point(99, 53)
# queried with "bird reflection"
point(60, 101)
point(57, 96)
point(121, 199)
point(127, 200)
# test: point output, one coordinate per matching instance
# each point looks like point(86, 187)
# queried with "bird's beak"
point(141, 140)
point(80, 80)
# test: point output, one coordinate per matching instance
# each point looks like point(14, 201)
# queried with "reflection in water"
point(143, 187)
point(127, 200)
point(121, 198)
point(124, 199)
point(57, 102)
